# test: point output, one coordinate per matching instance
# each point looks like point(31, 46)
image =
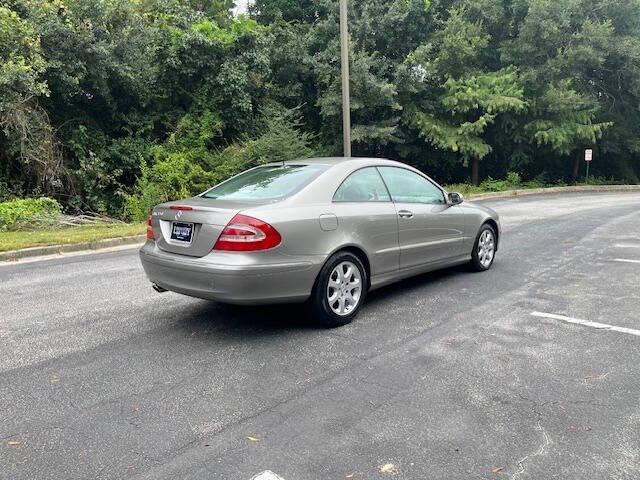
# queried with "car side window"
point(406, 186)
point(364, 185)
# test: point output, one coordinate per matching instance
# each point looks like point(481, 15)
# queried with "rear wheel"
point(484, 249)
point(339, 291)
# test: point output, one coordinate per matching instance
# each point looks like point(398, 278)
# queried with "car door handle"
point(405, 214)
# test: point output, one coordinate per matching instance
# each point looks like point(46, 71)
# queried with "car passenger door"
point(429, 230)
point(367, 217)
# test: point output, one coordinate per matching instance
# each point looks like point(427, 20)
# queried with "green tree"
point(561, 49)
point(456, 99)
point(29, 149)
point(93, 90)
point(469, 106)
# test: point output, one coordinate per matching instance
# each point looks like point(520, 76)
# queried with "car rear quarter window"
point(406, 186)
point(266, 183)
point(364, 185)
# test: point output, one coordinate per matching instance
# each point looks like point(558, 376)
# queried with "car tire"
point(343, 291)
point(484, 249)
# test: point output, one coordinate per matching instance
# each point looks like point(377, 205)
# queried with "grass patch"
point(67, 235)
point(490, 185)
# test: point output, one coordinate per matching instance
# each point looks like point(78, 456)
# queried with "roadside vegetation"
point(35, 222)
point(17, 240)
point(111, 106)
point(513, 181)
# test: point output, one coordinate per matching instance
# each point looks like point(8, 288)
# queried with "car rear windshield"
point(266, 183)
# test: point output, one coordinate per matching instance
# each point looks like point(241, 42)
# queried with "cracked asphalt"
point(444, 376)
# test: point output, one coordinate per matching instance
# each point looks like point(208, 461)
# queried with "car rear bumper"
point(241, 282)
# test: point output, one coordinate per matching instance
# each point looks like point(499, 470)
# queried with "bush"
point(171, 178)
point(465, 189)
point(600, 181)
point(102, 167)
point(28, 213)
point(185, 165)
point(491, 185)
point(514, 179)
point(5, 192)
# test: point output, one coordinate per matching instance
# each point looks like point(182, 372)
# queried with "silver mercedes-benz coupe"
point(322, 230)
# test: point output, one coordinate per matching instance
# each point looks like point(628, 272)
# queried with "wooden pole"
point(344, 58)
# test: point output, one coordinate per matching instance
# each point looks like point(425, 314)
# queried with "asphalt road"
point(444, 376)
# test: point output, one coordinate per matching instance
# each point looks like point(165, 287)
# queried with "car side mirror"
point(455, 198)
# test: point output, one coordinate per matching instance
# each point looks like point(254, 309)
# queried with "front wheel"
point(484, 249)
point(339, 291)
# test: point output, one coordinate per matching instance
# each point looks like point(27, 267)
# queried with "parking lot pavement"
point(450, 375)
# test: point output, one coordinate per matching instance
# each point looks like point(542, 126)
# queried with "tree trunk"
point(475, 171)
point(576, 166)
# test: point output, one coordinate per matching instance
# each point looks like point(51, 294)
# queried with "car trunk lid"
point(191, 227)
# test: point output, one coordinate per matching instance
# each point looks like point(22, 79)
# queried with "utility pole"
point(344, 58)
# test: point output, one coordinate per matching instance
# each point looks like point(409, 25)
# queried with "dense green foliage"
point(114, 105)
point(28, 212)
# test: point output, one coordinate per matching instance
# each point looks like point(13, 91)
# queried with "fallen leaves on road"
point(252, 439)
point(389, 469)
point(497, 469)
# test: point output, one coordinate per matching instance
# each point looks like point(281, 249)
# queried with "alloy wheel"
point(344, 288)
point(486, 248)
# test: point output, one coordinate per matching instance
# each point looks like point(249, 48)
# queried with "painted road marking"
point(627, 245)
point(267, 475)
point(587, 323)
point(625, 260)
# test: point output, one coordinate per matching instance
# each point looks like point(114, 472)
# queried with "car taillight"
point(247, 234)
point(150, 235)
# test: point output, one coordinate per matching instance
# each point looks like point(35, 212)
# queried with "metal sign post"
point(344, 58)
point(588, 157)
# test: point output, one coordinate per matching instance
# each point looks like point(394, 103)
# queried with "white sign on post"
point(588, 155)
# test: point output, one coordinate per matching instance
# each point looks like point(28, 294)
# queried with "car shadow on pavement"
point(235, 320)
point(420, 283)
point(219, 319)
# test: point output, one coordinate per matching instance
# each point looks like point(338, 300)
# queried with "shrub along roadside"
point(514, 182)
point(182, 169)
point(28, 213)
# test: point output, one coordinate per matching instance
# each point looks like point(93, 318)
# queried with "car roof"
point(339, 160)
point(338, 169)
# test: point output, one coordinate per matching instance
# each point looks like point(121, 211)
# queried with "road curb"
point(14, 255)
point(550, 190)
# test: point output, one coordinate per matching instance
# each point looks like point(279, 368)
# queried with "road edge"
point(15, 255)
point(95, 246)
point(551, 190)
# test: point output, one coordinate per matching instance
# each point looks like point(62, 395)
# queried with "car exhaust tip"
point(159, 289)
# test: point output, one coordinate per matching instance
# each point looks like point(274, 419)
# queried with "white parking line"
point(627, 245)
point(587, 323)
point(625, 260)
point(267, 475)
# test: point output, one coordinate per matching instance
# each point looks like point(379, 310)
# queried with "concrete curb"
point(139, 239)
point(74, 247)
point(550, 190)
